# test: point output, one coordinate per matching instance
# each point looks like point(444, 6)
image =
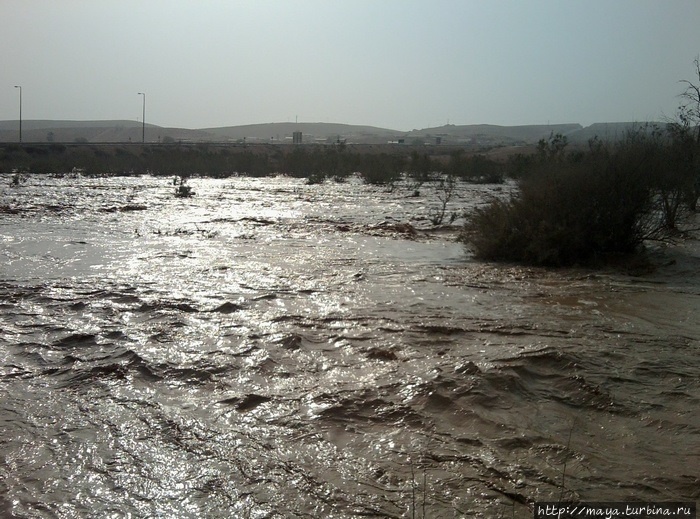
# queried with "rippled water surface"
point(274, 349)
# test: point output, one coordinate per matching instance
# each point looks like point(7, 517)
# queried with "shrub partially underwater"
point(581, 208)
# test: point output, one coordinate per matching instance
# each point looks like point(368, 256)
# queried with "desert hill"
point(486, 134)
point(95, 132)
point(476, 135)
point(312, 132)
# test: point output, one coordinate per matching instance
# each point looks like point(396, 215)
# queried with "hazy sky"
point(398, 64)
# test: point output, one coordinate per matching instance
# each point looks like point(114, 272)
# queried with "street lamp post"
point(20, 113)
point(143, 118)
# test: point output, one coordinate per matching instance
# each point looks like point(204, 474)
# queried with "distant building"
point(296, 137)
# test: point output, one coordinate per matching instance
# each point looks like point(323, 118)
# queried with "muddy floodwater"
point(271, 349)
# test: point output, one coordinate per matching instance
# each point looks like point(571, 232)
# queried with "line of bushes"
point(315, 163)
point(585, 206)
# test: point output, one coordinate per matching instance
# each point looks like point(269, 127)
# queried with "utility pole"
point(20, 112)
point(143, 118)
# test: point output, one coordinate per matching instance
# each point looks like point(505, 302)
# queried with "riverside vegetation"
point(586, 206)
point(317, 163)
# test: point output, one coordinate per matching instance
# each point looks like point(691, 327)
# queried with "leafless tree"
point(689, 110)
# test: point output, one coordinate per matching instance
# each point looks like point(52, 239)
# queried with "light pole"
point(143, 118)
point(20, 113)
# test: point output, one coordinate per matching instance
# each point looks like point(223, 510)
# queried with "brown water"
point(272, 349)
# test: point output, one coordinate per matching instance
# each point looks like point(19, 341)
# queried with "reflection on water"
point(272, 349)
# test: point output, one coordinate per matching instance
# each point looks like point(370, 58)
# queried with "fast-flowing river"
point(271, 349)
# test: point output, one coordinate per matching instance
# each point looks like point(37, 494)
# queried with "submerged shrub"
point(420, 168)
point(182, 190)
point(381, 169)
point(578, 209)
point(477, 169)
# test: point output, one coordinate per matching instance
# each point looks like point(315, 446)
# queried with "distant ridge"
point(38, 124)
point(114, 131)
point(278, 131)
point(612, 131)
point(489, 133)
point(473, 135)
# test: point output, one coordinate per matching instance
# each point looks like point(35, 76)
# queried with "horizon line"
point(200, 128)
